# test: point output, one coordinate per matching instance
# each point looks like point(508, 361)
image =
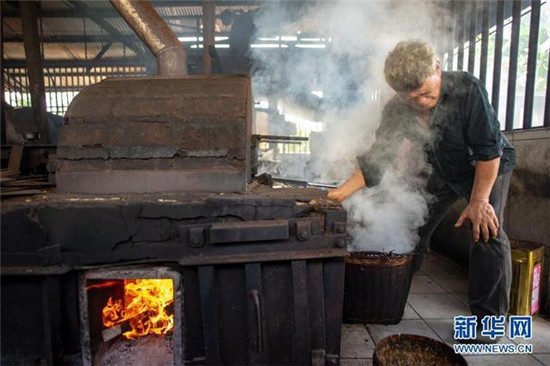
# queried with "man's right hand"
point(349, 187)
point(336, 195)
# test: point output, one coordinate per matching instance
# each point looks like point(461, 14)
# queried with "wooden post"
point(208, 33)
point(3, 90)
point(34, 67)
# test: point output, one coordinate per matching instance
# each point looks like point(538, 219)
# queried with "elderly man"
point(447, 116)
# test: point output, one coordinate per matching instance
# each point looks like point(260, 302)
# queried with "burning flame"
point(144, 307)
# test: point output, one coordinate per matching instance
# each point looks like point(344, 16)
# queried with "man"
point(447, 115)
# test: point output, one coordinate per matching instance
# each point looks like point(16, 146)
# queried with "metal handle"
point(248, 231)
point(256, 300)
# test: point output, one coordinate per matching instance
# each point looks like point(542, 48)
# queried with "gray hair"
point(409, 64)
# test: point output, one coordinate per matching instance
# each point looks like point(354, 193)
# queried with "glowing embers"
point(147, 307)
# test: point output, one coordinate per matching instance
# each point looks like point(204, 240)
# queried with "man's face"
point(426, 96)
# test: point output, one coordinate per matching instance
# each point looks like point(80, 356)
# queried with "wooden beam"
point(98, 38)
point(34, 67)
point(113, 32)
point(3, 97)
point(105, 13)
point(111, 13)
point(99, 55)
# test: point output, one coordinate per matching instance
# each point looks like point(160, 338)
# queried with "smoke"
point(387, 217)
point(350, 73)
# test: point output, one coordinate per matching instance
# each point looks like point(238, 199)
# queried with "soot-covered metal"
point(153, 172)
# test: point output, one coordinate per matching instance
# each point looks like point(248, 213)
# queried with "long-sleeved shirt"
point(464, 128)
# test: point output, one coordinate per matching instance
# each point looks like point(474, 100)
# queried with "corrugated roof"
point(67, 33)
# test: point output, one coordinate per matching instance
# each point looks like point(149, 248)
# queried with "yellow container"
point(527, 269)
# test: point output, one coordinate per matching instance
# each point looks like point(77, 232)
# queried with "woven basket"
point(376, 287)
point(413, 350)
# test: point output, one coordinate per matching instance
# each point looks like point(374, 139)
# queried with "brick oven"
point(152, 249)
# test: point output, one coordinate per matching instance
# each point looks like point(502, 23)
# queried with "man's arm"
point(349, 187)
point(479, 211)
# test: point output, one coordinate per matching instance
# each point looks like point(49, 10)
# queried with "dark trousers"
point(490, 264)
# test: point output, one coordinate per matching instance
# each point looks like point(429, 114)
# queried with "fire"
point(144, 307)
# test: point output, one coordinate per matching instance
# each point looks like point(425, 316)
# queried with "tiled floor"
point(439, 291)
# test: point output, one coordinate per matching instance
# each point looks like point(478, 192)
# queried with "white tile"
point(535, 134)
point(462, 297)
point(356, 342)
point(437, 264)
point(541, 336)
point(356, 362)
point(437, 306)
point(422, 284)
point(379, 331)
point(502, 360)
point(540, 339)
point(410, 313)
point(445, 330)
point(451, 283)
point(543, 357)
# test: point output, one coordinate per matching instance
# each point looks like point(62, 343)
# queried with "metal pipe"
point(156, 34)
point(499, 40)
point(513, 68)
point(531, 64)
point(472, 37)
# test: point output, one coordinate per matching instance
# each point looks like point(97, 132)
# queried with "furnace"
point(131, 314)
point(152, 201)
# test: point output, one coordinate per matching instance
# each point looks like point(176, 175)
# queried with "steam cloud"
point(350, 73)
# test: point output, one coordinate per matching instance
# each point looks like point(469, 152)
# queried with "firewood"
point(124, 326)
point(115, 331)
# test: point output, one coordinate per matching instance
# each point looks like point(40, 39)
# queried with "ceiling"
point(80, 30)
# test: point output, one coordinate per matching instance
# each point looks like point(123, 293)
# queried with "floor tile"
point(462, 297)
point(422, 284)
point(502, 360)
point(541, 336)
point(445, 330)
point(355, 362)
point(433, 301)
point(379, 331)
point(437, 264)
point(451, 283)
point(356, 342)
point(410, 313)
point(437, 306)
point(543, 357)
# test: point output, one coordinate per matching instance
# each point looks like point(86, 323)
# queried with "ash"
point(150, 350)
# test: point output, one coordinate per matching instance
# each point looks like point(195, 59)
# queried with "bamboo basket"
point(376, 286)
point(413, 350)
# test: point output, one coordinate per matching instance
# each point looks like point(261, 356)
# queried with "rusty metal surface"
point(54, 230)
point(273, 300)
point(190, 131)
point(156, 34)
point(138, 181)
point(264, 313)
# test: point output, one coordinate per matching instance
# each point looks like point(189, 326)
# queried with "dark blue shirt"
point(464, 128)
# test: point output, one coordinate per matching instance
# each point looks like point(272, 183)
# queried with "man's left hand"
point(483, 218)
